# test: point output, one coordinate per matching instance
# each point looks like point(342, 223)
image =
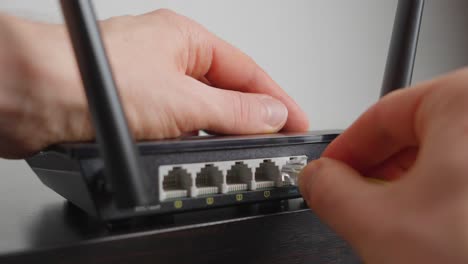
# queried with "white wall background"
point(328, 54)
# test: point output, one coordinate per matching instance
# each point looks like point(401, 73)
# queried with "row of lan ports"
point(201, 179)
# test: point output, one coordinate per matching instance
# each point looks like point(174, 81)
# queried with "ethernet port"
point(267, 175)
point(176, 183)
point(238, 177)
point(208, 180)
point(291, 170)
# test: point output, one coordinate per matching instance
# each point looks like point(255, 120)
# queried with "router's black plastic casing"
point(76, 171)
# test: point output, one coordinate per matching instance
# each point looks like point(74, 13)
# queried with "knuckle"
point(165, 12)
point(170, 17)
point(116, 23)
point(171, 20)
point(240, 110)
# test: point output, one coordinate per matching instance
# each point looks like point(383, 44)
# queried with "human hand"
point(174, 77)
point(417, 140)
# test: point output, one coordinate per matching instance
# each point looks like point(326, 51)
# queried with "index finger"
point(230, 68)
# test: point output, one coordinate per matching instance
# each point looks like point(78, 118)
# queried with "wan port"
point(208, 180)
point(176, 183)
point(238, 177)
point(267, 175)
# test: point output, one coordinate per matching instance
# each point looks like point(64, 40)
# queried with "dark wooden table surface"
point(38, 226)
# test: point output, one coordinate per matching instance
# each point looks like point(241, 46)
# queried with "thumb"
point(342, 198)
point(233, 112)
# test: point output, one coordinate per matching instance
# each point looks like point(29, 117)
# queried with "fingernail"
point(277, 113)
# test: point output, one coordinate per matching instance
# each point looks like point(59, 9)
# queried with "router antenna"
point(403, 46)
point(121, 159)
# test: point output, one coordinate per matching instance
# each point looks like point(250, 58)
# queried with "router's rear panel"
point(182, 175)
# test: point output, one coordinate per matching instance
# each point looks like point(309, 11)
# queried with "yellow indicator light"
point(178, 204)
